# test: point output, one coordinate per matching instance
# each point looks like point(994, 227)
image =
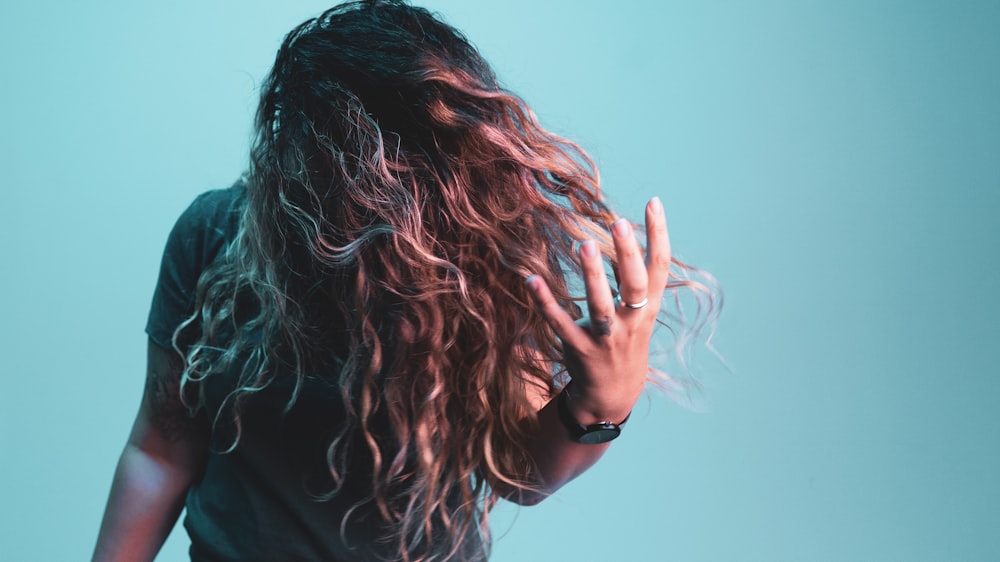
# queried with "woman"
point(360, 347)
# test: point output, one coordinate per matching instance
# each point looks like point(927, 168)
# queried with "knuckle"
point(661, 261)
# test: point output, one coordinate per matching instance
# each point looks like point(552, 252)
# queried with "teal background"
point(835, 164)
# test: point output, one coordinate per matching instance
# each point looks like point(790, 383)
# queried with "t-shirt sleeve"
point(197, 238)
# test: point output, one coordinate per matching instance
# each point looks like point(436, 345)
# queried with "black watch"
point(593, 434)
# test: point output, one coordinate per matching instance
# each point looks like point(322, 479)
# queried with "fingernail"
point(532, 282)
point(621, 228)
point(588, 249)
point(655, 205)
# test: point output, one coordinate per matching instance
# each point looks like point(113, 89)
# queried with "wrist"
point(588, 405)
point(594, 433)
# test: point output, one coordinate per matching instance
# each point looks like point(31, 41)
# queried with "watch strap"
point(595, 433)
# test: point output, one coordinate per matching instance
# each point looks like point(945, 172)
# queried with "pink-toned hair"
point(398, 198)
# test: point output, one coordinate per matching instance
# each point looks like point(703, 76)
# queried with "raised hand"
point(607, 354)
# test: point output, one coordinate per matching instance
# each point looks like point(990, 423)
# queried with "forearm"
point(147, 495)
point(558, 456)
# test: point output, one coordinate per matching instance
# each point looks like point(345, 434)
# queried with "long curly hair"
point(397, 199)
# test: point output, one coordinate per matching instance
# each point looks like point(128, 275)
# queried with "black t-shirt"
point(259, 501)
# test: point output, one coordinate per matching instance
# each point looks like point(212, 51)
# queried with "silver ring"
point(633, 306)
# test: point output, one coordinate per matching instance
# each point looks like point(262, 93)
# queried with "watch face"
point(600, 433)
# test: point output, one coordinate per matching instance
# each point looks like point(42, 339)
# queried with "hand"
point(607, 355)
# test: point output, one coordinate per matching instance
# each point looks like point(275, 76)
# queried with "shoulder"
point(220, 201)
point(216, 210)
point(209, 223)
point(200, 235)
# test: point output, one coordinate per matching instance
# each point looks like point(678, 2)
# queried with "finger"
point(560, 320)
point(633, 280)
point(657, 249)
point(600, 301)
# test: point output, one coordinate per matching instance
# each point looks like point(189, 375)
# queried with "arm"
point(606, 356)
point(165, 453)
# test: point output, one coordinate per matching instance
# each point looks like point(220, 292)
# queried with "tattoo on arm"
point(168, 414)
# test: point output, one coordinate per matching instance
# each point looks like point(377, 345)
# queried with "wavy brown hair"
point(397, 199)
